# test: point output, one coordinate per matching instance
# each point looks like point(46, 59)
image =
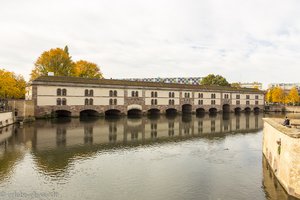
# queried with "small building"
point(73, 96)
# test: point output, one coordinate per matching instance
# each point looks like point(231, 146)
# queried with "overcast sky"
point(246, 41)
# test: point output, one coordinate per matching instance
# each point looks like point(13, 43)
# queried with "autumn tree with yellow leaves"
point(60, 62)
point(87, 69)
point(12, 85)
point(293, 96)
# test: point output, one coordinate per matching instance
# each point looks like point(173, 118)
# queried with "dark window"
point(213, 102)
point(91, 93)
point(200, 102)
point(226, 96)
point(200, 95)
point(64, 101)
point(256, 96)
point(64, 92)
point(247, 96)
point(136, 93)
point(110, 93)
point(91, 101)
point(237, 102)
point(86, 102)
point(170, 94)
point(152, 94)
point(155, 101)
point(58, 101)
point(86, 92)
point(173, 94)
point(58, 92)
point(110, 102)
point(213, 96)
point(115, 93)
point(256, 102)
point(247, 102)
point(115, 101)
point(132, 93)
point(238, 96)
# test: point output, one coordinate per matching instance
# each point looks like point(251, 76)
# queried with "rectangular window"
point(247, 96)
point(256, 102)
point(247, 102)
point(200, 102)
point(256, 96)
point(213, 102)
point(238, 96)
point(238, 103)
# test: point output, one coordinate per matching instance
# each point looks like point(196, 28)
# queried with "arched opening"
point(62, 113)
point(171, 111)
point(237, 110)
point(212, 111)
point(226, 108)
point(247, 110)
point(112, 112)
point(134, 113)
point(187, 108)
point(256, 110)
point(89, 113)
point(154, 111)
point(200, 112)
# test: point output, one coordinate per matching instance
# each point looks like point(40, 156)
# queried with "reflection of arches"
point(134, 112)
point(62, 113)
point(256, 110)
point(154, 111)
point(237, 110)
point(112, 112)
point(171, 111)
point(212, 111)
point(247, 109)
point(89, 113)
point(200, 111)
point(226, 108)
point(186, 108)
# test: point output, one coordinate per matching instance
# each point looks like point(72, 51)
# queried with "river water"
point(175, 157)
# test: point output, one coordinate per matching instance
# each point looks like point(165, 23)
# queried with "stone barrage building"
point(73, 96)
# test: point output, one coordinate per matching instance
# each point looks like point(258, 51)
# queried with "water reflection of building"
point(125, 131)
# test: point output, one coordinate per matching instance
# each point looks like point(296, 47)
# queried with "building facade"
point(179, 80)
point(74, 96)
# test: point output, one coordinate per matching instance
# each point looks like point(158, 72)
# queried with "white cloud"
point(244, 41)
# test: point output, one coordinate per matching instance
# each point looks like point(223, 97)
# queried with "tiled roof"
point(96, 81)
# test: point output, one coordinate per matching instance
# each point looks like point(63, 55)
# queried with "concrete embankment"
point(281, 147)
point(294, 109)
point(6, 118)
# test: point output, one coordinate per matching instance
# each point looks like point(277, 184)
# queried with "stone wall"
point(22, 109)
point(6, 119)
point(295, 109)
point(281, 147)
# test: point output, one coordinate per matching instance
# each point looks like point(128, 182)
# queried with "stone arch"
point(61, 113)
point(256, 110)
point(171, 111)
point(134, 112)
point(153, 111)
point(213, 110)
point(200, 111)
point(112, 112)
point(226, 108)
point(186, 108)
point(237, 110)
point(89, 113)
point(247, 109)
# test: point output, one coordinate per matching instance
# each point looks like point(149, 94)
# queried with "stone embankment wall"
point(295, 109)
point(281, 147)
point(23, 109)
point(6, 118)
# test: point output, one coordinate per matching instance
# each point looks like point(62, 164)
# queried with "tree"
point(269, 96)
point(212, 79)
point(55, 60)
point(87, 70)
point(12, 85)
point(293, 96)
point(278, 95)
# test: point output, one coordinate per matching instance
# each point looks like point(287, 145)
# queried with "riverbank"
point(6, 118)
point(281, 147)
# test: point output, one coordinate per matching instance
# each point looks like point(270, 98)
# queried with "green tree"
point(235, 85)
point(12, 86)
point(55, 60)
point(87, 70)
point(212, 79)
